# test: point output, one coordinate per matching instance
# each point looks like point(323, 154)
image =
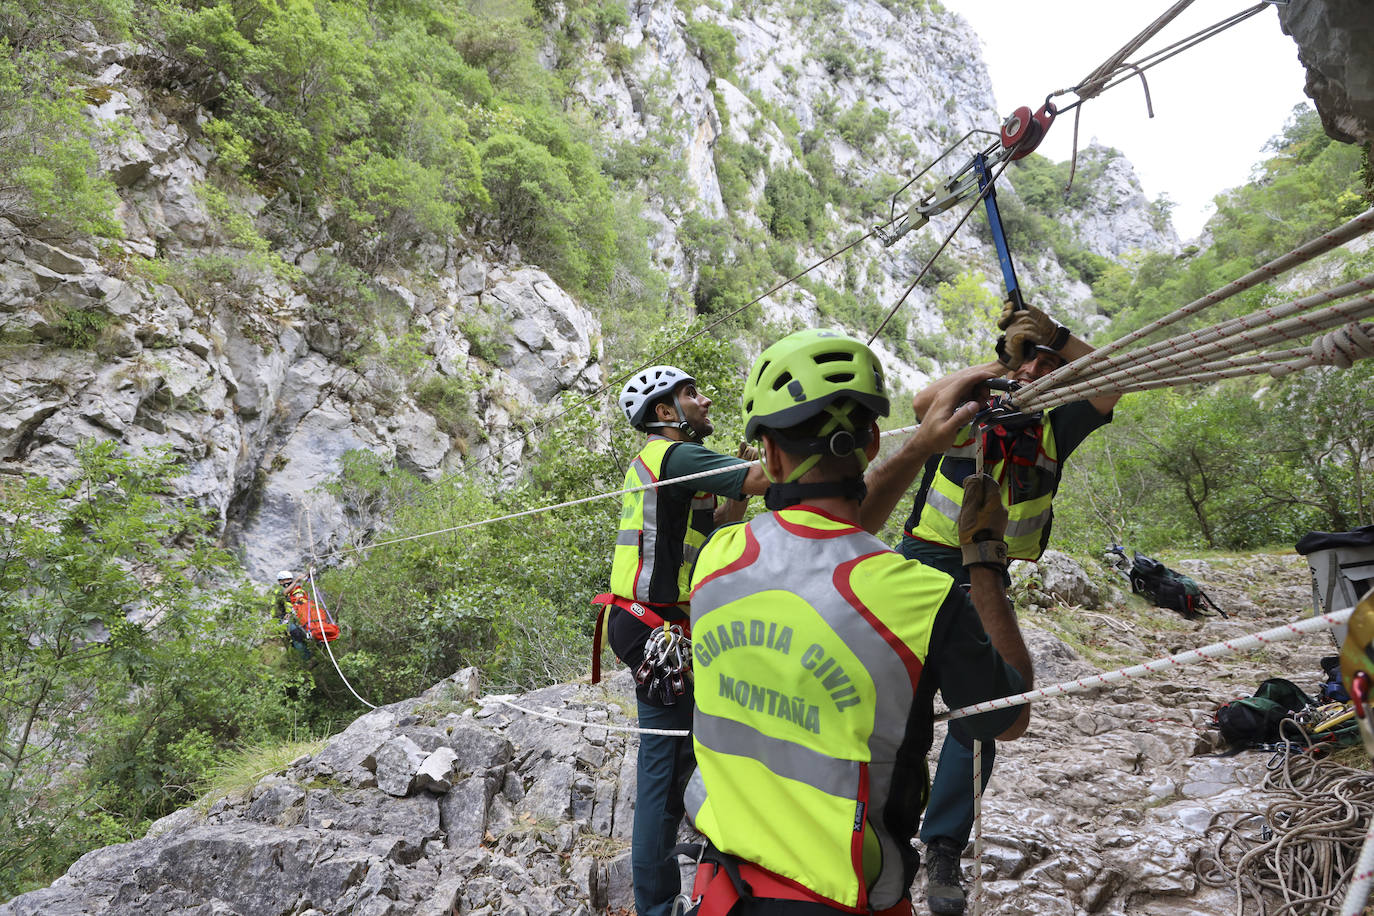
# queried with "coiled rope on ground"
point(1297, 855)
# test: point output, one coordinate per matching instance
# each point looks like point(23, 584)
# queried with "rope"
point(1093, 84)
point(976, 900)
point(667, 732)
point(1104, 357)
point(328, 651)
point(1221, 649)
point(1295, 856)
point(563, 505)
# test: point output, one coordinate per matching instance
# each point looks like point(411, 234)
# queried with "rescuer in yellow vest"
point(818, 649)
point(661, 530)
point(1026, 458)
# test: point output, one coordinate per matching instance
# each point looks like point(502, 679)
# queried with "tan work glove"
point(1018, 343)
point(983, 523)
point(747, 452)
point(1048, 332)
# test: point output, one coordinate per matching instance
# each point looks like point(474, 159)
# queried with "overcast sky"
point(1215, 105)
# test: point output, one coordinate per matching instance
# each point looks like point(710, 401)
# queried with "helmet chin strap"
point(682, 425)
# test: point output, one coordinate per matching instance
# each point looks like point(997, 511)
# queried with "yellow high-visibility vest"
point(1028, 481)
point(806, 676)
point(658, 541)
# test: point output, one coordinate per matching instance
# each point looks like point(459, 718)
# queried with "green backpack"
point(1255, 719)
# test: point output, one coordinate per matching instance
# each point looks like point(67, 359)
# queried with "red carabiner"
point(1359, 691)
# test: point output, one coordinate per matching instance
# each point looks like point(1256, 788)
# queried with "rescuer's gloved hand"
point(747, 452)
point(1018, 343)
point(983, 523)
point(1008, 315)
point(1048, 332)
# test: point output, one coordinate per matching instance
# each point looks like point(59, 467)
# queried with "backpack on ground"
point(1169, 589)
point(1255, 719)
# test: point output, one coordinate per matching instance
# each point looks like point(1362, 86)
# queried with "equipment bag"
point(1255, 719)
point(1169, 589)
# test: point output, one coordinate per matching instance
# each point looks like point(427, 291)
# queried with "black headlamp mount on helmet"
point(841, 443)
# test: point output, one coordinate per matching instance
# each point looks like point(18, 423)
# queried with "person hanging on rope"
point(1026, 457)
point(291, 596)
point(819, 649)
point(661, 530)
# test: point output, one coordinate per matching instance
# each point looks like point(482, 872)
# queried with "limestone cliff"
point(251, 369)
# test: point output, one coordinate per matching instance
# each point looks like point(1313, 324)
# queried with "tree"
point(123, 668)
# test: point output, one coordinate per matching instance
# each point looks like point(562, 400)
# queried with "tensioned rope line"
point(1095, 82)
point(666, 732)
point(1188, 350)
point(563, 505)
point(1105, 358)
point(1116, 70)
point(1190, 347)
point(1340, 348)
point(1221, 649)
point(1216, 650)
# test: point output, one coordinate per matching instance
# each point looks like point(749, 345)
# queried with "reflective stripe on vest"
point(655, 546)
point(1028, 518)
point(809, 637)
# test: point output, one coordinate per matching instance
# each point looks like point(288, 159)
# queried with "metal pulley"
point(1022, 131)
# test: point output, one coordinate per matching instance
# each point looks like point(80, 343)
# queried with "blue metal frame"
point(999, 236)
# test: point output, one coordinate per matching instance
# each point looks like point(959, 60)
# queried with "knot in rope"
point(1343, 346)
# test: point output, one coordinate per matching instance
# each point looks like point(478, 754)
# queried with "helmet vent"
point(781, 381)
point(838, 377)
point(833, 357)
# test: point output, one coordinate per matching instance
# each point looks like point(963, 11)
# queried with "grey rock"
point(437, 771)
point(1331, 36)
point(396, 763)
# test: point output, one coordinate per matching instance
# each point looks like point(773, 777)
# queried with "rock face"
point(1334, 37)
point(243, 375)
point(248, 363)
point(1115, 218)
point(456, 804)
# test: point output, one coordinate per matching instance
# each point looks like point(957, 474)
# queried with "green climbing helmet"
point(804, 373)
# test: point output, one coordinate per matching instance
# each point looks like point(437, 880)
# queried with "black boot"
point(944, 883)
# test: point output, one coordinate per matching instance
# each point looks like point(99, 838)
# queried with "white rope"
point(1186, 350)
point(1341, 347)
point(328, 651)
point(1362, 879)
point(976, 901)
point(1217, 650)
point(667, 732)
point(572, 502)
point(1089, 362)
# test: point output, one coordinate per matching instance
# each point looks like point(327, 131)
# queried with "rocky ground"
point(457, 803)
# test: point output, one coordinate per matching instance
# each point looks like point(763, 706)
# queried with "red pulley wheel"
point(1034, 134)
point(1014, 128)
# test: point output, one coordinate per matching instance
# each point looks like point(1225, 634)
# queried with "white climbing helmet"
point(286, 575)
point(647, 386)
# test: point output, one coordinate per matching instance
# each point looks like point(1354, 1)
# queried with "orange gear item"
point(316, 620)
